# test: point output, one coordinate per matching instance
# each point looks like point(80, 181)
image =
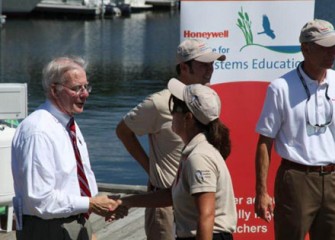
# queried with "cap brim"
point(210, 57)
point(176, 88)
point(327, 42)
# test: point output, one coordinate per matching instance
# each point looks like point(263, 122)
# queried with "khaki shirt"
point(202, 169)
point(152, 117)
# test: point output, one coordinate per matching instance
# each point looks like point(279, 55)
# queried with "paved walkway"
point(128, 228)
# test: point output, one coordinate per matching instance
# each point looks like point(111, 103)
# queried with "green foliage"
point(10, 122)
point(244, 23)
point(2, 210)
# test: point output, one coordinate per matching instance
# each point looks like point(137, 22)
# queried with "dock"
point(128, 228)
point(163, 3)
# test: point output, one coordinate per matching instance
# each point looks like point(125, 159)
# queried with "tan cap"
point(196, 49)
point(318, 31)
point(201, 100)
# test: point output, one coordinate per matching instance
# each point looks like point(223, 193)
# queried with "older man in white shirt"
point(54, 184)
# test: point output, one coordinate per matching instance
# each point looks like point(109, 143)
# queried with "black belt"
point(152, 188)
point(327, 169)
point(78, 217)
point(215, 236)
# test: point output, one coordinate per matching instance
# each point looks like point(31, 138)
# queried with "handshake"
point(109, 207)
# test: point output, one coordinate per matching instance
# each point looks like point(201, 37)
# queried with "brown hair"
point(219, 136)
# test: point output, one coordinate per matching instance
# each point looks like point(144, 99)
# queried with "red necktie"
point(83, 183)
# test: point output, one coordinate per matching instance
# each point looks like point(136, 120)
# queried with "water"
point(129, 59)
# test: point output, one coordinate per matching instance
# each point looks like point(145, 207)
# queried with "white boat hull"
point(18, 6)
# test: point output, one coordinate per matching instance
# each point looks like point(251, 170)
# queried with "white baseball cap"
point(198, 50)
point(318, 31)
point(201, 100)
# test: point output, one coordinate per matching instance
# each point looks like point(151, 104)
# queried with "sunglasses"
point(177, 106)
point(330, 118)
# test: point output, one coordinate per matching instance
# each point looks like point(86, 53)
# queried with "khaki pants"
point(71, 228)
point(159, 223)
point(304, 203)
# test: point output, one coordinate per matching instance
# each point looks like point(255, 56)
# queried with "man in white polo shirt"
point(152, 117)
point(298, 116)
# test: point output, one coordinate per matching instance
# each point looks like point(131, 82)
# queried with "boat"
point(138, 5)
point(117, 10)
point(73, 9)
point(18, 6)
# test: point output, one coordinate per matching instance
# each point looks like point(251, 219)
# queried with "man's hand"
point(263, 202)
point(264, 207)
point(103, 205)
point(120, 212)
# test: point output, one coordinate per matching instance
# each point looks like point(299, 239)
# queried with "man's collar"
point(62, 117)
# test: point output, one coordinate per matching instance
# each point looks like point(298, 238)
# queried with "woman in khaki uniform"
point(202, 194)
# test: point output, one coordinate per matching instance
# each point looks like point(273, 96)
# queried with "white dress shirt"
point(44, 166)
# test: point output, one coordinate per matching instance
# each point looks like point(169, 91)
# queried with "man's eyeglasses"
point(79, 89)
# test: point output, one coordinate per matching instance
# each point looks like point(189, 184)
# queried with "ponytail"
point(218, 135)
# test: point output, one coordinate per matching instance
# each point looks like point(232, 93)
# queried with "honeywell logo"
point(208, 35)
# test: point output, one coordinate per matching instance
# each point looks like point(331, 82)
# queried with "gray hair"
point(54, 71)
